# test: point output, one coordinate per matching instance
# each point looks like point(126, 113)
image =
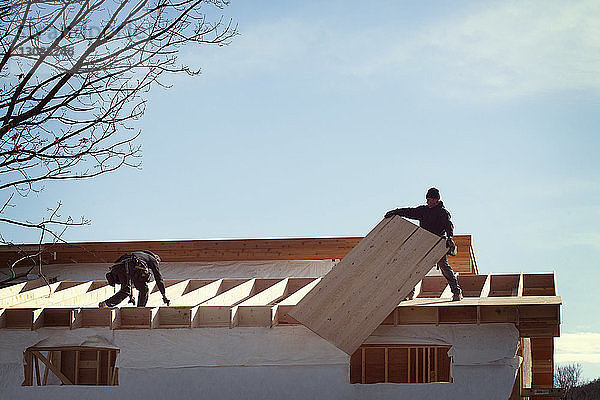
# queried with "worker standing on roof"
point(134, 268)
point(436, 219)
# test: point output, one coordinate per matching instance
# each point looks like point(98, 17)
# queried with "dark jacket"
point(435, 220)
point(148, 260)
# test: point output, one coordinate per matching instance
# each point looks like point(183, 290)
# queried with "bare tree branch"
point(73, 78)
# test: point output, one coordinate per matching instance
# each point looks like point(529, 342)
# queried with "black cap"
point(433, 193)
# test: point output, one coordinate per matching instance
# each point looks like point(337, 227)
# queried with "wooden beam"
point(63, 291)
point(432, 286)
point(222, 250)
point(14, 290)
point(542, 357)
point(137, 318)
point(92, 317)
point(252, 315)
point(232, 296)
point(173, 289)
point(29, 292)
point(52, 367)
point(28, 368)
point(485, 290)
point(199, 291)
point(504, 285)
point(23, 318)
point(212, 316)
point(55, 317)
point(175, 317)
point(269, 295)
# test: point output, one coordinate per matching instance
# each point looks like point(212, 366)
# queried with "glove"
point(451, 246)
point(166, 301)
point(390, 214)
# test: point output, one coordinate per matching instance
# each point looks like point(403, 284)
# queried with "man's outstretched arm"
point(408, 212)
point(159, 281)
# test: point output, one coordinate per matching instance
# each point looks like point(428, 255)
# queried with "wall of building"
point(266, 363)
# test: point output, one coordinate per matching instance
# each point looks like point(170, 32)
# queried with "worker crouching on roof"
point(436, 219)
point(134, 268)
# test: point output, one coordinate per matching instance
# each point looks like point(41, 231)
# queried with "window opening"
point(79, 365)
point(400, 364)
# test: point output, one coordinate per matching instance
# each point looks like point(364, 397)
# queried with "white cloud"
point(506, 50)
point(578, 347)
point(511, 49)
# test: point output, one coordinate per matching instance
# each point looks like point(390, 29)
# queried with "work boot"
point(457, 296)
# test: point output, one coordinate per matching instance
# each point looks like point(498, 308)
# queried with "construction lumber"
point(257, 310)
point(257, 315)
point(23, 318)
point(212, 316)
point(20, 287)
point(281, 310)
point(504, 285)
point(232, 296)
point(92, 317)
point(30, 291)
point(173, 289)
point(220, 250)
point(137, 318)
point(175, 317)
point(365, 287)
point(432, 287)
point(64, 291)
point(52, 367)
point(97, 292)
point(538, 285)
point(542, 358)
point(538, 393)
point(198, 291)
point(471, 285)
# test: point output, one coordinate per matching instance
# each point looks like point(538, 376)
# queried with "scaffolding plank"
point(366, 286)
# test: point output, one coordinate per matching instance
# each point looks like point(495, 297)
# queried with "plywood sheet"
point(358, 293)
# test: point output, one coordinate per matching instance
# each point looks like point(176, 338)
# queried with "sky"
point(321, 116)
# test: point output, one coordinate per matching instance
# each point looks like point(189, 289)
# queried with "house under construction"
point(232, 329)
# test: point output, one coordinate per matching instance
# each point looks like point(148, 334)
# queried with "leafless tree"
point(567, 376)
point(73, 78)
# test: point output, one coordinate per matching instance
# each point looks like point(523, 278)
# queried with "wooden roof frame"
point(464, 263)
point(531, 303)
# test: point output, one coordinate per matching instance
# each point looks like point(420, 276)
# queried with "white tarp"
point(266, 363)
point(206, 270)
point(202, 270)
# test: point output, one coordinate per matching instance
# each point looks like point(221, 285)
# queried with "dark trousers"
point(446, 270)
point(139, 281)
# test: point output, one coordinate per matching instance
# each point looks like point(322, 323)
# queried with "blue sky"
point(320, 117)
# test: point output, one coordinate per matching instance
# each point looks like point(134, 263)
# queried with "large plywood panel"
point(358, 293)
